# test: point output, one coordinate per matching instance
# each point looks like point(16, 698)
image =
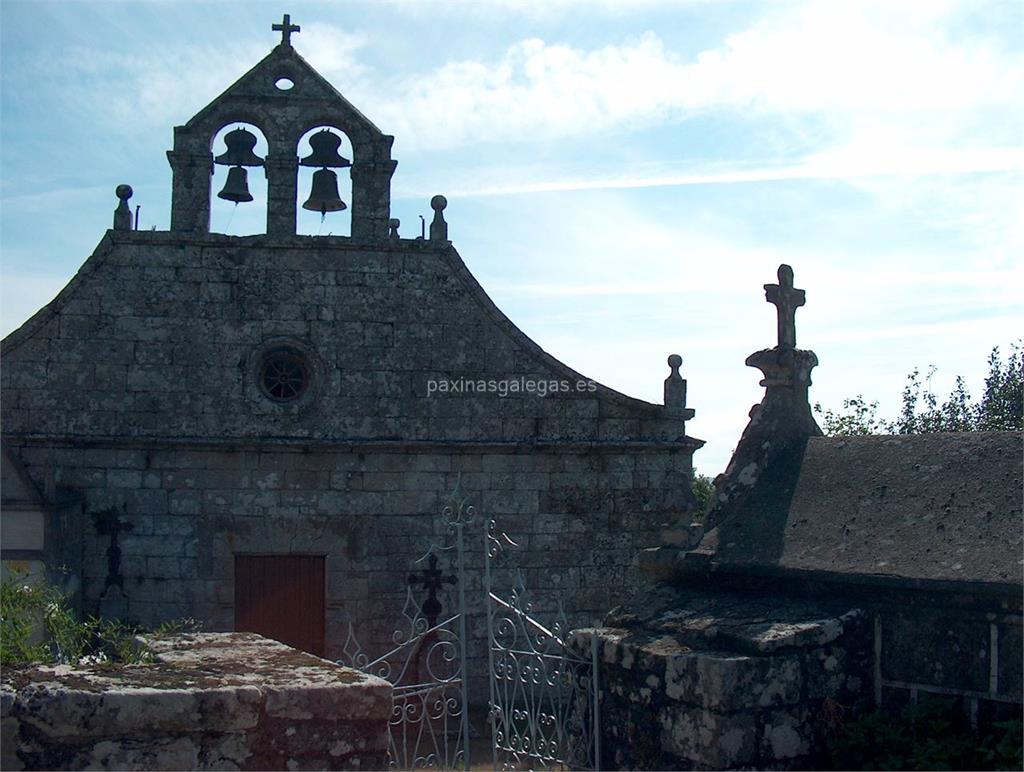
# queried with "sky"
point(622, 177)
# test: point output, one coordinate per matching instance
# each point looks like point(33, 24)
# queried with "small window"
point(284, 376)
point(284, 84)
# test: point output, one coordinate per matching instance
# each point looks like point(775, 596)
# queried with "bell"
point(237, 186)
point(323, 197)
point(325, 146)
point(239, 153)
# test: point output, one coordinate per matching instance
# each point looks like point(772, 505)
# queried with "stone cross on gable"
point(286, 28)
point(786, 300)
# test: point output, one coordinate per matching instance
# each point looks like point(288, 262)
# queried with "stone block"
point(184, 502)
point(146, 501)
point(210, 701)
point(937, 650)
point(787, 735)
point(712, 740)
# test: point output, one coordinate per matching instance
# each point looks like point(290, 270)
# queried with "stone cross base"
point(725, 684)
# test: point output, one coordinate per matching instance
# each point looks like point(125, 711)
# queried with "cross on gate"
point(431, 580)
point(286, 28)
point(786, 300)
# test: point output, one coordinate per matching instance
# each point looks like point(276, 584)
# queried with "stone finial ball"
point(675, 361)
point(394, 222)
point(124, 192)
point(437, 203)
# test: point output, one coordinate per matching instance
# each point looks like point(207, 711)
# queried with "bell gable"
point(284, 97)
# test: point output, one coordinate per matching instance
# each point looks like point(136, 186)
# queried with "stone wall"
point(734, 673)
point(970, 657)
point(207, 702)
point(580, 517)
point(725, 682)
point(160, 335)
point(137, 392)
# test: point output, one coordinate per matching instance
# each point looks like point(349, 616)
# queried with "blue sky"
point(622, 177)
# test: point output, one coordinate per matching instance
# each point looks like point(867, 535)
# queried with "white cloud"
point(623, 288)
point(170, 82)
point(879, 76)
point(848, 162)
point(332, 52)
point(539, 9)
point(890, 68)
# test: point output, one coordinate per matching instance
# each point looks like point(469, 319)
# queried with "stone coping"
point(224, 679)
point(725, 622)
point(208, 701)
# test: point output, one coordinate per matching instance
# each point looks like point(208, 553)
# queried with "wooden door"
point(282, 597)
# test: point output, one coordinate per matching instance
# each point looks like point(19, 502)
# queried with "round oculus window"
point(284, 375)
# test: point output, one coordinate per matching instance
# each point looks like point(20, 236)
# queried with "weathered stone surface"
point(176, 438)
point(138, 392)
point(391, 385)
point(731, 679)
point(209, 701)
point(709, 739)
point(929, 506)
point(913, 542)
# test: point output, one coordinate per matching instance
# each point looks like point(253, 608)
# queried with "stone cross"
point(430, 579)
point(786, 300)
point(286, 28)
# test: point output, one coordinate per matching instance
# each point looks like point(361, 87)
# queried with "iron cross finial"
point(431, 580)
point(786, 300)
point(286, 28)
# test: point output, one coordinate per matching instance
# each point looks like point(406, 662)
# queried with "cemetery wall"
point(208, 701)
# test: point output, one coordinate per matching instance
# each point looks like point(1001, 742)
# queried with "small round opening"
point(283, 375)
point(284, 84)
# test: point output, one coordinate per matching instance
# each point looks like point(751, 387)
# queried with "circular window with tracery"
point(284, 375)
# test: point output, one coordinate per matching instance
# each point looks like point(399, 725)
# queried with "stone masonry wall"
point(760, 673)
point(208, 701)
point(137, 391)
point(162, 336)
point(727, 682)
point(970, 658)
point(580, 517)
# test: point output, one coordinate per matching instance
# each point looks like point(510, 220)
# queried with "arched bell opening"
point(238, 190)
point(324, 183)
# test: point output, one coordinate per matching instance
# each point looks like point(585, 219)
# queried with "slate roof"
point(928, 506)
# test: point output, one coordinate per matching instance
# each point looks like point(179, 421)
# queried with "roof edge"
point(92, 263)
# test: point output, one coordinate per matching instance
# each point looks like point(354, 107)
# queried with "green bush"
point(37, 625)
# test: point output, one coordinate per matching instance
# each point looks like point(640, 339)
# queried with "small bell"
point(239, 153)
point(324, 197)
point(325, 153)
point(237, 186)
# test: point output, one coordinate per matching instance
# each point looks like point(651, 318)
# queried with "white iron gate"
point(543, 707)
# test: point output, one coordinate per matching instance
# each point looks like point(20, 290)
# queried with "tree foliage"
point(1001, 407)
point(703, 489)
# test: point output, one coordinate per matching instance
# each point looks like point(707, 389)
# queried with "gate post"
point(594, 683)
point(464, 686)
point(492, 717)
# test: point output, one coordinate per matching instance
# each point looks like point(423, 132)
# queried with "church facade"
point(260, 432)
